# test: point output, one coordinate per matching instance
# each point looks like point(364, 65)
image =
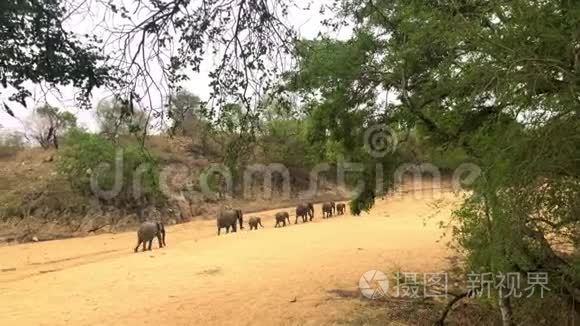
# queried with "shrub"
point(87, 156)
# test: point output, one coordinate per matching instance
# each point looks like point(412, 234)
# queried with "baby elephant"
point(149, 230)
point(254, 222)
point(328, 209)
point(281, 217)
point(340, 208)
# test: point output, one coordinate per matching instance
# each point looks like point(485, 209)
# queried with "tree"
point(242, 35)
point(116, 118)
point(184, 110)
point(166, 36)
point(32, 35)
point(47, 123)
point(497, 80)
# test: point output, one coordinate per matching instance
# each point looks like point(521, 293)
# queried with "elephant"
point(254, 222)
point(149, 230)
point(240, 218)
point(341, 208)
point(281, 217)
point(304, 211)
point(328, 209)
point(228, 218)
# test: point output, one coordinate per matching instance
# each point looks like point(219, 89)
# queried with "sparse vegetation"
point(11, 142)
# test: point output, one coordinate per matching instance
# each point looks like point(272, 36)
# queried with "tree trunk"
point(505, 308)
point(55, 141)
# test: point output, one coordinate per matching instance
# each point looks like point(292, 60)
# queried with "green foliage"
point(36, 47)
point(185, 113)
point(117, 118)
point(493, 83)
point(84, 153)
point(285, 141)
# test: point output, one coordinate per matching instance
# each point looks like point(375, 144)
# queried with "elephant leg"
point(159, 240)
point(234, 229)
point(219, 229)
point(296, 220)
point(144, 245)
point(150, 244)
point(138, 243)
point(227, 229)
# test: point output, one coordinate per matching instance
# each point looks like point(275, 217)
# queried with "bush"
point(285, 142)
point(85, 156)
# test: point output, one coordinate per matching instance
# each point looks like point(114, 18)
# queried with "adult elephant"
point(227, 218)
point(304, 211)
point(240, 218)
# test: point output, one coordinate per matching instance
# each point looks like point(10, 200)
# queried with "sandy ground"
point(273, 276)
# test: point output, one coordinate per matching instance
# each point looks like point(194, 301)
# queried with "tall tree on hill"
point(184, 109)
point(116, 118)
point(48, 123)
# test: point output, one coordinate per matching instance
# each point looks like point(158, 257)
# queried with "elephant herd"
point(227, 218)
point(230, 218)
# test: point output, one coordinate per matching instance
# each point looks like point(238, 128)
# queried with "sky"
point(306, 23)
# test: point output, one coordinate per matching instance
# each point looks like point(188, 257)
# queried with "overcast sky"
point(307, 23)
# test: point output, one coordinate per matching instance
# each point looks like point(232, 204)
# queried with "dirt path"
point(243, 278)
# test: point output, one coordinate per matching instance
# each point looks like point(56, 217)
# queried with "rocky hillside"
point(37, 203)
